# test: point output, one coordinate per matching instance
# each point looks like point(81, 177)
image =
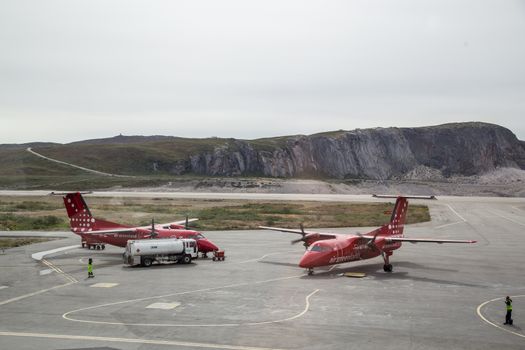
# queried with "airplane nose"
point(307, 261)
point(207, 246)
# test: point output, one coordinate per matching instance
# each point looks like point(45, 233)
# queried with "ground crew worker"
point(508, 316)
point(90, 268)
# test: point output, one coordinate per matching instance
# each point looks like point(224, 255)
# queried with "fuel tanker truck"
point(147, 251)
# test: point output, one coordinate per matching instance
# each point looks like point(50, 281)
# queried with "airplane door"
point(339, 252)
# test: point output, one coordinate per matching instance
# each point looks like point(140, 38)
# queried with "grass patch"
point(12, 222)
point(6, 243)
point(213, 214)
point(27, 206)
point(251, 215)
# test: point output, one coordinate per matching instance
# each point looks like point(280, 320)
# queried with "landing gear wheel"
point(310, 272)
point(388, 268)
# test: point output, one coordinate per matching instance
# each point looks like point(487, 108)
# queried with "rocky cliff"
point(434, 152)
point(381, 153)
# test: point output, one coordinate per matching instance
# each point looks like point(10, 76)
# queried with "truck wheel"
point(186, 259)
point(146, 262)
point(103, 247)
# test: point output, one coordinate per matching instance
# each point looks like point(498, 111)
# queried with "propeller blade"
point(186, 225)
point(153, 232)
point(295, 241)
point(305, 244)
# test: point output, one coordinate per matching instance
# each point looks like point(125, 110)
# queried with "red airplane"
point(329, 249)
point(93, 230)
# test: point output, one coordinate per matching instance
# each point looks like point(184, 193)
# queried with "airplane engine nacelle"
point(312, 237)
point(177, 227)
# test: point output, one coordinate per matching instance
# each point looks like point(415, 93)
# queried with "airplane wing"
point(166, 225)
point(132, 229)
point(426, 240)
point(114, 230)
point(300, 232)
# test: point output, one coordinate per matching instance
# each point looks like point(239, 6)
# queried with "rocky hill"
point(451, 149)
point(463, 149)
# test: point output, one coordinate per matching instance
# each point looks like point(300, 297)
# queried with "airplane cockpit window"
point(318, 248)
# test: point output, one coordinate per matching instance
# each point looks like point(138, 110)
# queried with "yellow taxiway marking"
point(104, 285)
point(133, 340)
point(355, 274)
point(307, 306)
point(59, 271)
point(506, 329)
point(163, 306)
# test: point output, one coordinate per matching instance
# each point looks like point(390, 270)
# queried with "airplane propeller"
point(302, 239)
point(186, 224)
point(371, 242)
point(153, 232)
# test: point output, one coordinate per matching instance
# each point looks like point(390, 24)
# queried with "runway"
point(438, 297)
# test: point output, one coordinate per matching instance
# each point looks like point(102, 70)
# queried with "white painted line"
point(71, 280)
point(450, 224)
point(513, 207)
point(40, 255)
point(32, 294)
point(45, 272)
point(104, 285)
point(507, 218)
point(506, 329)
point(264, 256)
point(133, 340)
point(163, 306)
point(68, 317)
point(455, 212)
point(4, 287)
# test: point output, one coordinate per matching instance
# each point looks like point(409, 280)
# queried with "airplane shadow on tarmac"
point(375, 271)
point(157, 266)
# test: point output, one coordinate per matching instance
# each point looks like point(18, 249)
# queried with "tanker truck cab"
point(147, 251)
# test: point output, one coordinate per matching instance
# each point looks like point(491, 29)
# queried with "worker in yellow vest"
point(90, 268)
point(508, 316)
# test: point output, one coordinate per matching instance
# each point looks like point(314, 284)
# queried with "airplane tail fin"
point(80, 218)
point(398, 218)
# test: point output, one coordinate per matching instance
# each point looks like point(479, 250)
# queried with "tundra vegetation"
point(48, 213)
point(10, 242)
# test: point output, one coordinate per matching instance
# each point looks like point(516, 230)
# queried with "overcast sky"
point(73, 70)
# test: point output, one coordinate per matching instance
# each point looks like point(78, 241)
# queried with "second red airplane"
point(329, 248)
point(90, 228)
